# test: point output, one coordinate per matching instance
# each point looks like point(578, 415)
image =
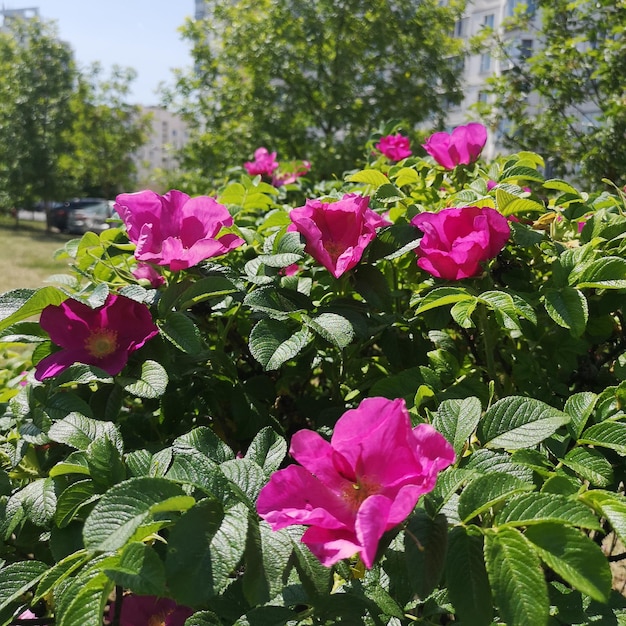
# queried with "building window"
point(485, 62)
point(526, 49)
point(511, 5)
point(488, 21)
point(483, 97)
point(461, 27)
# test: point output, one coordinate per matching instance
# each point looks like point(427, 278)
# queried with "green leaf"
point(521, 172)
point(39, 500)
point(20, 304)
point(425, 543)
point(272, 343)
point(591, 465)
point(510, 204)
point(197, 570)
point(568, 308)
point(17, 578)
point(388, 194)
point(534, 508)
point(152, 383)
point(205, 441)
point(335, 328)
point(139, 569)
point(78, 431)
point(204, 289)
point(406, 176)
point(516, 422)
point(277, 303)
point(574, 557)
point(606, 434)
point(605, 273)
point(462, 312)
point(126, 506)
point(456, 420)
point(516, 578)
point(612, 506)
point(181, 332)
point(370, 177)
point(72, 500)
point(488, 490)
point(466, 575)
point(104, 460)
point(267, 450)
point(442, 296)
point(59, 572)
point(247, 478)
point(204, 618)
point(579, 407)
point(87, 603)
point(560, 185)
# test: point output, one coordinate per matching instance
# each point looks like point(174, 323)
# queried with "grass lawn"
point(27, 254)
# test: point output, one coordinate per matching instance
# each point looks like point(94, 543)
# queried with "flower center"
point(101, 342)
point(159, 619)
point(356, 493)
point(334, 248)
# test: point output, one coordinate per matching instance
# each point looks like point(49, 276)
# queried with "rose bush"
point(460, 147)
point(147, 410)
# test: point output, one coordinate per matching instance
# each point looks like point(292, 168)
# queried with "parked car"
point(92, 217)
point(57, 216)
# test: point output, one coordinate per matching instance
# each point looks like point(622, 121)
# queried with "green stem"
point(489, 346)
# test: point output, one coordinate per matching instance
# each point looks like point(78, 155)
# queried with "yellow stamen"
point(101, 342)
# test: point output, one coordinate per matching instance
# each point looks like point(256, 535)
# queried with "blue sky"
point(138, 33)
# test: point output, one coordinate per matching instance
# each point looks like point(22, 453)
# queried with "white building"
point(481, 14)
point(6, 15)
point(159, 154)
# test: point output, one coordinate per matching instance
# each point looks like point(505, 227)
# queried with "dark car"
point(57, 216)
point(93, 217)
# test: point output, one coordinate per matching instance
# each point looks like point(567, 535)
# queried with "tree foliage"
point(310, 79)
point(37, 77)
point(567, 99)
point(105, 133)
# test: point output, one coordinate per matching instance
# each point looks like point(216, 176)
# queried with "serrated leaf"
point(486, 461)
point(198, 570)
point(510, 204)
point(78, 431)
point(201, 290)
point(247, 477)
point(517, 422)
point(267, 450)
point(139, 569)
point(441, 296)
point(204, 618)
point(609, 505)
point(456, 420)
point(87, 604)
point(335, 328)
point(425, 544)
point(574, 557)
point(605, 273)
point(521, 172)
point(560, 185)
point(59, 572)
point(488, 490)
point(205, 441)
point(535, 508)
point(126, 506)
point(607, 434)
point(466, 575)
point(370, 177)
point(591, 465)
point(516, 578)
point(20, 304)
point(272, 343)
point(388, 194)
point(406, 176)
point(17, 578)
point(579, 407)
point(181, 332)
point(39, 500)
point(568, 308)
point(152, 383)
point(278, 303)
point(72, 499)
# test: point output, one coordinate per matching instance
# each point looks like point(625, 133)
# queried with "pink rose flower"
point(152, 611)
point(457, 241)
point(301, 168)
point(103, 337)
point(145, 272)
point(367, 480)
point(264, 163)
point(337, 233)
point(174, 229)
point(461, 147)
point(394, 147)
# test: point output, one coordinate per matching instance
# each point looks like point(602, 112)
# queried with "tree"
point(104, 134)
point(313, 79)
point(567, 99)
point(37, 77)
